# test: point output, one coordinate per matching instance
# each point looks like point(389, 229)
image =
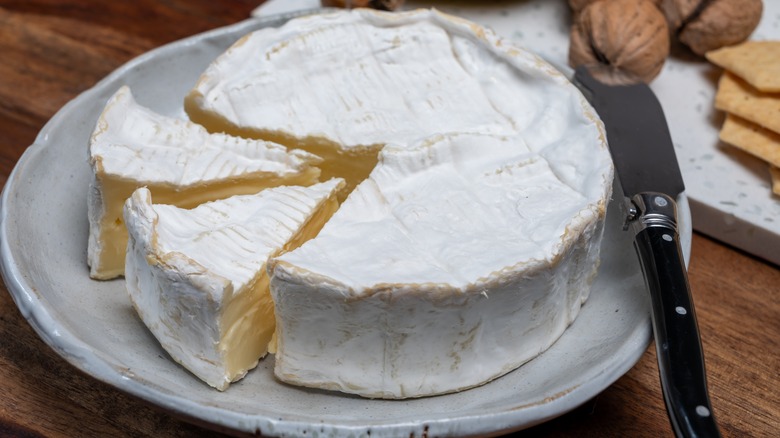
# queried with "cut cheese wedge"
point(197, 277)
point(180, 162)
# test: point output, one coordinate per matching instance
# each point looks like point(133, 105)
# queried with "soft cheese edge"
point(214, 316)
point(132, 147)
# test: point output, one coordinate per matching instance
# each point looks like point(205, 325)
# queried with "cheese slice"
point(197, 277)
point(180, 162)
point(343, 85)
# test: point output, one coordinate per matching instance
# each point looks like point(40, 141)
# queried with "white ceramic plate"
point(93, 326)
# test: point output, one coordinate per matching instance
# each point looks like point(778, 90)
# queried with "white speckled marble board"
point(729, 191)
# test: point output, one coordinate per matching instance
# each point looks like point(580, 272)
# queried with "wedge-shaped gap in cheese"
point(180, 162)
point(198, 279)
point(353, 164)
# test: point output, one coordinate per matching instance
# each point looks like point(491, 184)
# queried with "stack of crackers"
point(749, 93)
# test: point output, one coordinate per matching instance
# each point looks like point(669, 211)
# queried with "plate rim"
point(35, 309)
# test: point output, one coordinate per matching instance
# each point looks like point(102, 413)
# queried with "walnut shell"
point(384, 5)
point(578, 5)
point(621, 41)
point(705, 25)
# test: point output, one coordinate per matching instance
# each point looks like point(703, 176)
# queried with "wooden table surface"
point(51, 50)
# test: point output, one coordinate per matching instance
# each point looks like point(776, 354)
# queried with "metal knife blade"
point(647, 169)
point(632, 114)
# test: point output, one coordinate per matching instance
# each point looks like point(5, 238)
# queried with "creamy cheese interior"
point(197, 277)
point(180, 162)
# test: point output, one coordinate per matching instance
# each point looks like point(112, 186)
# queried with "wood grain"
point(53, 50)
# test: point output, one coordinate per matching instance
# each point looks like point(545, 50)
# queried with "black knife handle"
point(680, 355)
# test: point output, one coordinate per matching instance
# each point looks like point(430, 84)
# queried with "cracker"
point(752, 139)
point(738, 97)
point(775, 172)
point(757, 62)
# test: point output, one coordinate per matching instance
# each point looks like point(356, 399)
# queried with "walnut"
point(621, 41)
point(385, 5)
point(705, 25)
point(578, 5)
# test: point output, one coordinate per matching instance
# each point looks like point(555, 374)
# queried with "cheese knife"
point(648, 173)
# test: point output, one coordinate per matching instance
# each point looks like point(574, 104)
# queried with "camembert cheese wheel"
point(197, 277)
point(474, 241)
point(180, 162)
point(468, 245)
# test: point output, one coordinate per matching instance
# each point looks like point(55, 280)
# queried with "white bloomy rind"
point(365, 78)
point(197, 277)
point(475, 240)
point(133, 146)
point(458, 260)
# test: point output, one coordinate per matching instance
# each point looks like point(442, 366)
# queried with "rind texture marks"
point(96, 210)
point(489, 193)
point(132, 147)
point(165, 302)
point(391, 78)
point(455, 209)
point(134, 143)
point(234, 237)
point(197, 277)
point(458, 260)
point(414, 340)
point(467, 251)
